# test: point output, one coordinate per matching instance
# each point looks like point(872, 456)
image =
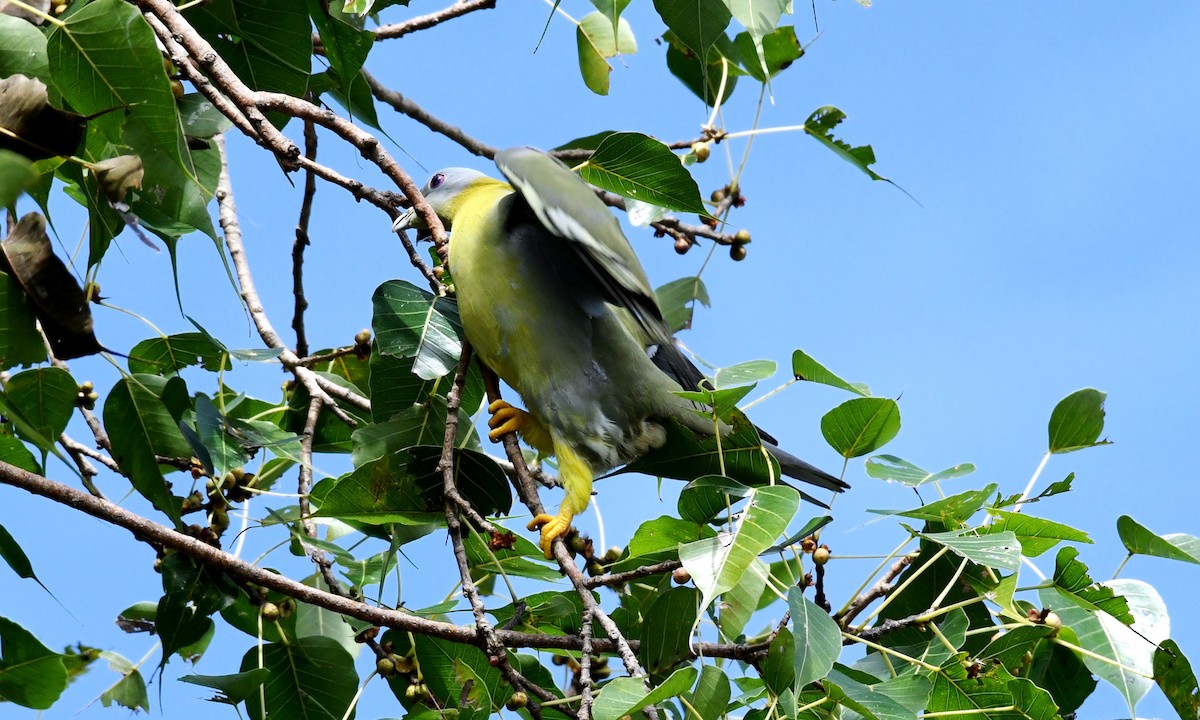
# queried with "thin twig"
point(495, 650)
point(878, 590)
point(585, 667)
point(302, 240)
point(424, 22)
point(634, 574)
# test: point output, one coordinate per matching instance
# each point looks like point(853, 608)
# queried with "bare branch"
point(302, 240)
point(405, 106)
point(423, 22)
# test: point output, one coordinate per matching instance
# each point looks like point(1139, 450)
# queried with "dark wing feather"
point(568, 208)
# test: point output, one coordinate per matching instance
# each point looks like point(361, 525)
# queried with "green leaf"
point(638, 166)
point(659, 539)
point(717, 73)
point(20, 342)
point(31, 675)
point(138, 424)
point(1077, 421)
point(740, 602)
point(128, 692)
point(448, 666)
point(626, 695)
point(706, 497)
point(597, 39)
point(346, 47)
point(711, 696)
point(817, 639)
point(168, 355)
point(697, 24)
point(804, 367)
point(16, 172)
point(1175, 677)
point(820, 127)
point(999, 550)
point(233, 689)
point(411, 323)
point(744, 373)
point(1072, 579)
point(780, 49)
point(717, 563)
point(667, 629)
point(894, 469)
point(1130, 646)
point(16, 558)
point(1139, 540)
point(213, 431)
point(105, 56)
point(848, 687)
point(952, 510)
point(268, 44)
point(45, 400)
point(677, 299)
point(23, 51)
point(960, 686)
point(759, 17)
point(395, 388)
point(862, 425)
point(312, 678)
point(1035, 534)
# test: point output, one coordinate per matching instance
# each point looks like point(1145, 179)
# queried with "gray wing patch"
point(548, 187)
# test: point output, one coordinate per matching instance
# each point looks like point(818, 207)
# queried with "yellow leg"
point(576, 476)
point(506, 418)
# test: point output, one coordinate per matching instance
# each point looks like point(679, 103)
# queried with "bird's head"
point(443, 191)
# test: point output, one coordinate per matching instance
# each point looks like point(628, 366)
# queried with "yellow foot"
point(505, 419)
point(552, 526)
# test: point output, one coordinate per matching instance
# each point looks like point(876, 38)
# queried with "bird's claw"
point(552, 526)
point(505, 419)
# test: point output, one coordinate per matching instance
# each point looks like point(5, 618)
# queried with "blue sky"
point(1052, 245)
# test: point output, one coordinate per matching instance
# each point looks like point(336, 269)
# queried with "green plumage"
point(553, 298)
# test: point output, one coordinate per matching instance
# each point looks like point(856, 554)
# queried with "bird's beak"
point(408, 219)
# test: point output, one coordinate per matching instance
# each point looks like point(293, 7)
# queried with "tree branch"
point(423, 22)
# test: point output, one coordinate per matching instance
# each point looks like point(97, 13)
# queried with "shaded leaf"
point(1175, 677)
point(311, 678)
point(233, 689)
point(138, 422)
point(45, 400)
point(816, 637)
point(696, 23)
point(32, 127)
point(23, 51)
point(56, 297)
point(20, 342)
point(677, 299)
point(410, 323)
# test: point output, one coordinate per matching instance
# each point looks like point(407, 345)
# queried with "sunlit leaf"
point(625, 696)
point(862, 425)
point(1077, 421)
point(638, 166)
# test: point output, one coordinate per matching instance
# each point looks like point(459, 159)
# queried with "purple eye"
point(436, 181)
